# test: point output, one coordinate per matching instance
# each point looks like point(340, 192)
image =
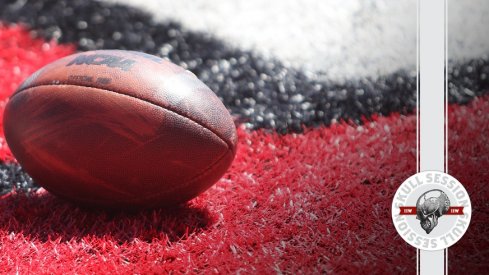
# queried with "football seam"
point(193, 179)
point(228, 144)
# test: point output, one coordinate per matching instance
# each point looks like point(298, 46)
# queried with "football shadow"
point(44, 217)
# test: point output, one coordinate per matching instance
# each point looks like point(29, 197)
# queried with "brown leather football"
point(119, 129)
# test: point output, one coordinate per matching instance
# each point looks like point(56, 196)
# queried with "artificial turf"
point(311, 202)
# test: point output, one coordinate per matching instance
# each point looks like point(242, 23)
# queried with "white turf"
point(339, 38)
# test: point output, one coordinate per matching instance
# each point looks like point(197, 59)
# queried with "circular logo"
point(431, 210)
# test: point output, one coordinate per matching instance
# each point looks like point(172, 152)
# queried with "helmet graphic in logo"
point(430, 206)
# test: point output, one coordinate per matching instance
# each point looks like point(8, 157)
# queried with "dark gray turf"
point(13, 177)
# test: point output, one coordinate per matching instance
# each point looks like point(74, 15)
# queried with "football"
point(115, 128)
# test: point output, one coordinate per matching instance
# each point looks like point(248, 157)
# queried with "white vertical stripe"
point(446, 86)
point(432, 60)
point(417, 90)
point(446, 109)
point(417, 261)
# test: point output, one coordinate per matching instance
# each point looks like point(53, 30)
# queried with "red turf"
point(20, 56)
point(468, 151)
point(312, 202)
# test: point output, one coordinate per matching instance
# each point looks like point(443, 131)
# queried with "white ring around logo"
point(431, 210)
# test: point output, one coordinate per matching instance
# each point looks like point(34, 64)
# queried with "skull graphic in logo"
point(430, 206)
